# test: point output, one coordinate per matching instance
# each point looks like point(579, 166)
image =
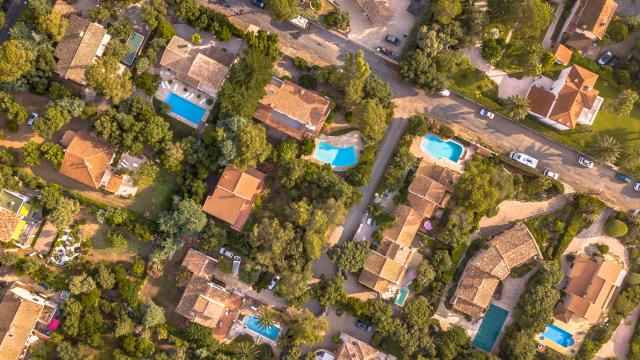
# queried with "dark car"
point(386, 52)
point(364, 326)
point(615, 60)
point(394, 40)
point(605, 58)
point(258, 3)
point(622, 177)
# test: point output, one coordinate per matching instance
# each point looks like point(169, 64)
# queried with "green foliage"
point(224, 265)
point(146, 174)
point(205, 18)
point(185, 218)
point(105, 277)
point(492, 49)
point(356, 71)
point(308, 81)
point(381, 217)
point(337, 19)
point(165, 29)
point(425, 274)
point(31, 153)
point(15, 60)
point(283, 10)
point(54, 118)
point(117, 240)
point(305, 328)
point(625, 101)
point(64, 211)
point(444, 11)
point(351, 256)
point(615, 228)
point(105, 77)
point(330, 292)
point(196, 38)
point(148, 82)
point(14, 111)
point(81, 284)
point(153, 315)
point(617, 30)
point(53, 153)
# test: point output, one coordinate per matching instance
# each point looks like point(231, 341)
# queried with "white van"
point(524, 159)
point(300, 22)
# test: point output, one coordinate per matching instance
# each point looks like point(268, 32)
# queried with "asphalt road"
point(12, 10)
point(501, 133)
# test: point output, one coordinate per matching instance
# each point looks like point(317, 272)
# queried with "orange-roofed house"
point(233, 197)
point(591, 285)
point(355, 349)
point(385, 267)
point(592, 18)
point(87, 160)
point(511, 248)
point(563, 54)
point(292, 109)
point(431, 188)
point(570, 100)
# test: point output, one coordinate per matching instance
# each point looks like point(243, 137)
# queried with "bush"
point(148, 82)
point(633, 279)
point(603, 249)
point(615, 228)
point(301, 64)
point(337, 19)
point(618, 30)
point(308, 81)
point(349, 117)
point(224, 265)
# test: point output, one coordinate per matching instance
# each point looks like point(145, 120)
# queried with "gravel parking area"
point(365, 32)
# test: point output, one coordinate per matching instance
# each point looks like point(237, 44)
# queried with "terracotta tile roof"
point(199, 263)
point(380, 272)
point(563, 54)
point(8, 223)
point(209, 305)
point(292, 109)
point(540, 101)
point(193, 67)
point(378, 11)
point(441, 174)
point(234, 195)
point(421, 205)
point(78, 48)
point(113, 185)
point(511, 248)
point(18, 317)
point(591, 285)
point(87, 159)
point(354, 349)
point(596, 16)
point(67, 137)
point(431, 188)
point(406, 226)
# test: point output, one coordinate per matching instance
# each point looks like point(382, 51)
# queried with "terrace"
point(66, 248)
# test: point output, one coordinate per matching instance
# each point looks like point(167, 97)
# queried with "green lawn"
point(157, 196)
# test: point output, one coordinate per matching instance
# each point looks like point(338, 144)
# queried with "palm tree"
point(266, 317)
point(518, 107)
point(246, 350)
point(606, 149)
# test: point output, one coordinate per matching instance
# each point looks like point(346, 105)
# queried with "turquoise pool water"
point(335, 156)
point(272, 332)
point(133, 42)
point(441, 149)
point(557, 335)
point(490, 327)
point(402, 296)
point(185, 108)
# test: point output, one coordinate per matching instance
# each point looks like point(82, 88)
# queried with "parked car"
point(585, 162)
point(445, 92)
point(235, 266)
point(364, 326)
point(622, 177)
point(386, 52)
point(369, 221)
point(300, 22)
point(258, 3)
point(32, 118)
point(524, 159)
point(550, 174)
point(227, 253)
point(605, 58)
point(636, 187)
point(486, 113)
point(392, 39)
point(273, 282)
point(615, 60)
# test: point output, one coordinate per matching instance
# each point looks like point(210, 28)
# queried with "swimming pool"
point(441, 149)
point(335, 156)
point(402, 296)
point(490, 328)
point(185, 108)
point(272, 332)
point(557, 335)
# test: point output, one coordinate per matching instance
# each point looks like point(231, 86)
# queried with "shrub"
point(117, 240)
point(148, 82)
point(337, 19)
point(618, 30)
point(349, 117)
point(308, 81)
point(301, 63)
point(306, 146)
point(224, 265)
point(633, 278)
point(615, 228)
point(603, 249)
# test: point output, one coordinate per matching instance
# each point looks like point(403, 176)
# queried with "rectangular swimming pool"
point(557, 335)
point(133, 42)
point(271, 332)
point(185, 109)
point(490, 328)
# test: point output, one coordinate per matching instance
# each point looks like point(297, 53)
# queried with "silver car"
point(585, 162)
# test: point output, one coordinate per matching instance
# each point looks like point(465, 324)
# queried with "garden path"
point(512, 210)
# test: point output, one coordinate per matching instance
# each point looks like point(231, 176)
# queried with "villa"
point(507, 250)
point(204, 302)
point(14, 212)
point(22, 315)
point(233, 197)
point(589, 22)
point(385, 267)
point(190, 66)
point(82, 43)
point(431, 188)
point(566, 102)
point(87, 160)
point(292, 109)
point(353, 349)
point(591, 285)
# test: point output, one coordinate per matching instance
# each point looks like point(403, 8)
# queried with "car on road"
point(258, 3)
point(585, 162)
point(605, 58)
point(274, 282)
point(622, 177)
point(386, 52)
point(392, 39)
point(32, 118)
point(635, 212)
point(369, 221)
point(636, 187)
point(486, 113)
point(226, 253)
point(235, 266)
point(300, 22)
point(524, 159)
point(615, 60)
point(364, 326)
point(445, 92)
point(551, 174)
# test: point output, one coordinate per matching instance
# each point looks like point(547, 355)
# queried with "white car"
point(585, 162)
point(550, 174)
point(227, 253)
point(486, 113)
point(273, 282)
point(369, 221)
point(32, 118)
point(524, 159)
point(636, 187)
point(445, 92)
point(235, 266)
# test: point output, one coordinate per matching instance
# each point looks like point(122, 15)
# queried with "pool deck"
point(576, 327)
point(239, 328)
point(178, 88)
point(353, 138)
point(458, 166)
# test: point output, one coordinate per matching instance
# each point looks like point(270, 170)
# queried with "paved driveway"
point(337, 324)
point(364, 32)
